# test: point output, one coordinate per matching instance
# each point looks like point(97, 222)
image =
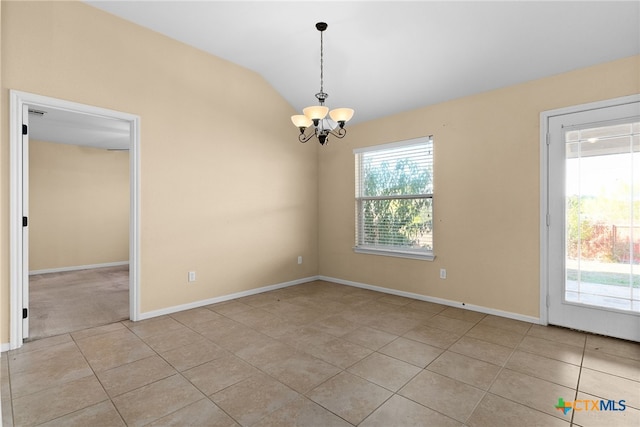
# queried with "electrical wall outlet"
point(192, 276)
point(443, 273)
point(300, 259)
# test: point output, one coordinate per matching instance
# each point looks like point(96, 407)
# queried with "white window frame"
point(420, 254)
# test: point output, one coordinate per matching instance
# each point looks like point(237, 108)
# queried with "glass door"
point(594, 231)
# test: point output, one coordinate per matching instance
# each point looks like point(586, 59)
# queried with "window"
point(394, 199)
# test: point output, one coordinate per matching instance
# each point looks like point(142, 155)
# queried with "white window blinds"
point(394, 198)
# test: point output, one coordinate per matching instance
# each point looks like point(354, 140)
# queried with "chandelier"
point(317, 115)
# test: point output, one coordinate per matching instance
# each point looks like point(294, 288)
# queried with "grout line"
point(97, 379)
point(7, 355)
point(180, 373)
point(495, 378)
point(575, 397)
point(504, 367)
point(111, 398)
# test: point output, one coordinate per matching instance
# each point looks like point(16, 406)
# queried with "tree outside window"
point(394, 198)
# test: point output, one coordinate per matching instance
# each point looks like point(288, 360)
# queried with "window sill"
point(427, 256)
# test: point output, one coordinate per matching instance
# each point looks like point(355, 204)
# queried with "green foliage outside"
point(588, 237)
point(397, 222)
point(598, 229)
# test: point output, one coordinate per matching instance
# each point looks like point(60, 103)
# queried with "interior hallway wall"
point(78, 206)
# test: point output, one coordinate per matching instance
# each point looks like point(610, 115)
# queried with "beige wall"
point(78, 206)
point(226, 189)
point(487, 191)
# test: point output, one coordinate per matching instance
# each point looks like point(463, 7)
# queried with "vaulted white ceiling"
point(385, 57)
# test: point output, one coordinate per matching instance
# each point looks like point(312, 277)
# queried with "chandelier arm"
point(340, 133)
point(304, 137)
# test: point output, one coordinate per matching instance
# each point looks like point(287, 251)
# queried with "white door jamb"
point(16, 265)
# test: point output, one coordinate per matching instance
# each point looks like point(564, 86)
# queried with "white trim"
point(5, 346)
point(545, 116)
point(201, 303)
point(15, 221)
point(436, 300)
point(134, 219)
point(591, 106)
point(16, 102)
point(423, 256)
point(78, 267)
point(544, 229)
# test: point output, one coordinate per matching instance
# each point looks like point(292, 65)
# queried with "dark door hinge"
point(25, 313)
point(24, 129)
point(25, 221)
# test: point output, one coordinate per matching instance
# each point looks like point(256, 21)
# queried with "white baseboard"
point(201, 303)
point(442, 301)
point(78, 267)
point(481, 309)
point(169, 310)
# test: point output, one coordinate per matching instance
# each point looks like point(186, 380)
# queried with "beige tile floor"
point(320, 354)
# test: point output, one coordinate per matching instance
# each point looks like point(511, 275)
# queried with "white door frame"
point(16, 246)
point(545, 116)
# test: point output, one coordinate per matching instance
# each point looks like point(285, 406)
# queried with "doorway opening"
point(70, 271)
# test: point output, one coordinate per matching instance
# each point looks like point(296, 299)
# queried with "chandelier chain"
point(321, 63)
